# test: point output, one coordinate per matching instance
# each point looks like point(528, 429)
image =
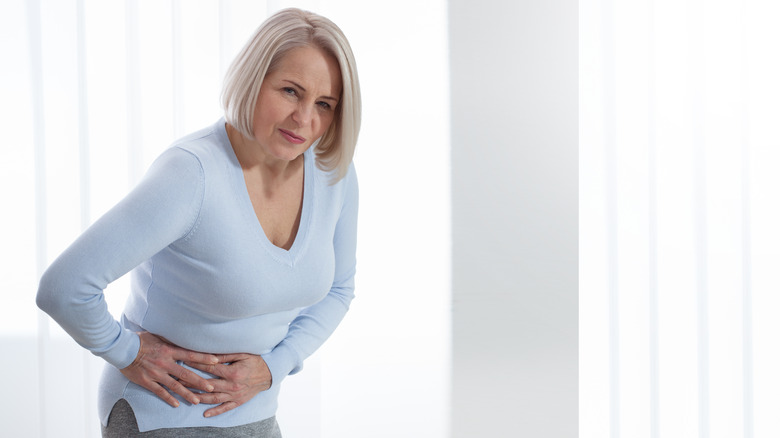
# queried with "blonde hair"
point(280, 33)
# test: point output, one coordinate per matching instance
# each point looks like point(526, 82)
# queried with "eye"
point(290, 91)
point(324, 105)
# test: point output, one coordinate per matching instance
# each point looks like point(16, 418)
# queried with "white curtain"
point(679, 213)
point(92, 91)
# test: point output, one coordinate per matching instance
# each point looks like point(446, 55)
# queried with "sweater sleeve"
point(314, 324)
point(163, 208)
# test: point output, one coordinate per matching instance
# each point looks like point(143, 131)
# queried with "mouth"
point(292, 138)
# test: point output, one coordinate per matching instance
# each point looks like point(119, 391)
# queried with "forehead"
point(310, 67)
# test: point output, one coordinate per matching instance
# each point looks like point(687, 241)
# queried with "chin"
point(289, 154)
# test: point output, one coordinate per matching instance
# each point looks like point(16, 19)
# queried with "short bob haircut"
point(286, 30)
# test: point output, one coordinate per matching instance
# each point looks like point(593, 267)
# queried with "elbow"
point(344, 295)
point(48, 299)
point(45, 296)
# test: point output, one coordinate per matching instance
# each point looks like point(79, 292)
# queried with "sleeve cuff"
point(282, 361)
point(124, 351)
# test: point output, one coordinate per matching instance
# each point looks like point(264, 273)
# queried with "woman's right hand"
point(155, 369)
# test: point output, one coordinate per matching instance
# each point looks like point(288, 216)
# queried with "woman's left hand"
point(241, 377)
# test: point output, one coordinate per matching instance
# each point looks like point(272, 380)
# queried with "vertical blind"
point(92, 91)
point(679, 244)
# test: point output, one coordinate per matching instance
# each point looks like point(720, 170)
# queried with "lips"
point(292, 138)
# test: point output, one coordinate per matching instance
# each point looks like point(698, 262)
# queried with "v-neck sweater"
point(205, 276)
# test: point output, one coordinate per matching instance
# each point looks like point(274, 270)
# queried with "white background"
point(492, 339)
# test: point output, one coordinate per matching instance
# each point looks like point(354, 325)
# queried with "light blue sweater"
point(206, 277)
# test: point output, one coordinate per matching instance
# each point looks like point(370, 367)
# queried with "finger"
point(176, 386)
point(221, 409)
point(231, 357)
point(195, 357)
point(214, 398)
point(200, 387)
point(161, 392)
point(224, 390)
point(137, 374)
point(191, 379)
point(179, 353)
point(217, 370)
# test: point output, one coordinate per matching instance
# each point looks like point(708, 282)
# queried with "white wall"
point(514, 127)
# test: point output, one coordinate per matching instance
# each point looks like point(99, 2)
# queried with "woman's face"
point(297, 102)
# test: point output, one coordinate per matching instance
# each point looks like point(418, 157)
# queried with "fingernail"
point(209, 388)
point(207, 414)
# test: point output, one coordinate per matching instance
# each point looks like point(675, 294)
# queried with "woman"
point(241, 240)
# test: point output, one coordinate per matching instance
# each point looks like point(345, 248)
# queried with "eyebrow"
point(303, 89)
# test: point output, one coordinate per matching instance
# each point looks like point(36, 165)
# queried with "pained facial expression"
point(297, 102)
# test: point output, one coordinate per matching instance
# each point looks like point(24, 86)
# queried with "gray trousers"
point(122, 424)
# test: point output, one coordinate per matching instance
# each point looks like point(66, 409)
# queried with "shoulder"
point(349, 184)
point(339, 191)
point(330, 179)
point(176, 164)
point(343, 195)
point(210, 147)
point(351, 176)
point(186, 162)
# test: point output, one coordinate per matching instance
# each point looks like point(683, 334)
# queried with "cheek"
point(259, 118)
point(269, 111)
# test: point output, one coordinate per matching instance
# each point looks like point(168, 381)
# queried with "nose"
point(303, 115)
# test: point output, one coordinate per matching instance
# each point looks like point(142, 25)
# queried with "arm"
point(316, 323)
point(163, 208)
